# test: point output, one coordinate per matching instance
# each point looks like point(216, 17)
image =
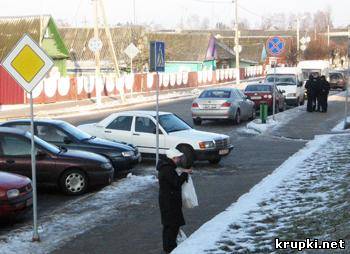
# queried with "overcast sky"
point(169, 13)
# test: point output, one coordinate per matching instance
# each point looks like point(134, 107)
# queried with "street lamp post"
point(238, 78)
point(346, 124)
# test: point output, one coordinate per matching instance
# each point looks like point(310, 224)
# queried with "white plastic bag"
point(181, 237)
point(189, 196)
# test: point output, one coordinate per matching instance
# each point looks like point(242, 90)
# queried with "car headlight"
point(128, 154)
point(14, 193)
point(106, 165)
point(206, 144)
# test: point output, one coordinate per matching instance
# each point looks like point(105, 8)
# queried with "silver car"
point(222, 103)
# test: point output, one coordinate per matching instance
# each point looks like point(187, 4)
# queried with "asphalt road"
point(136, 228)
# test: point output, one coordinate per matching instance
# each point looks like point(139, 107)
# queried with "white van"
point(320, 66)
point(290, 81)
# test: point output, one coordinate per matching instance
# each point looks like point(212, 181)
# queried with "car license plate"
point(209, 106)
point(223, 152)
point(256, 97)
point(29, 202)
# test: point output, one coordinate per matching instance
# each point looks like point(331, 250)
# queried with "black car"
point(60, 133)
point(71, 170)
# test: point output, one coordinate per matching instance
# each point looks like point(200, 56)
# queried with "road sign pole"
point(346, 125)
point(36, 236)
point(157, 118)
point(131, 72)
point(274, 91)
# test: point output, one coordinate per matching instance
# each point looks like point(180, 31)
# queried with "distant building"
point(42, 29)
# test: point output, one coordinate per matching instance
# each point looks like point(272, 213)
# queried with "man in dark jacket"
point(170, 198)
point(310, 88)
point(325, 87)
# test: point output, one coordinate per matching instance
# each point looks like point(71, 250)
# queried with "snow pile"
point(305, 184)
point(281, 119)
point(77, 217)
point(340, 126)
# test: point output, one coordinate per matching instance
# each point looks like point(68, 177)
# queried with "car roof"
point(142, 112)
point(57, 122)
point(261, 84)
point(9, 130)
point(221, 89)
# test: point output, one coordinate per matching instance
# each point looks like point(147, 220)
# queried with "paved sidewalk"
point(308, 196)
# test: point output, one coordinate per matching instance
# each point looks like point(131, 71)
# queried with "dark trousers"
point(169, 237)
point(324, 102)
point(311, 103)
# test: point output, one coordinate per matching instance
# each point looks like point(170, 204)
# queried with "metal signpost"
point(346, 124)
point(275, 46)
point(157, 64)
point(131, 51)
point(95, 45)
point(28, 64)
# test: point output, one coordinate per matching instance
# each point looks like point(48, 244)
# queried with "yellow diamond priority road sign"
point(27, 63)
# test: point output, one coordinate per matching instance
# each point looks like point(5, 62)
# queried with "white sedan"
point(139, 129)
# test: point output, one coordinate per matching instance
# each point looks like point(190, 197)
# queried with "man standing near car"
point(170, 198)
point(311, 92)
point(325, 87)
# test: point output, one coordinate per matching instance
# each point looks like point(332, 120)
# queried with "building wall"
point(10, 91)
point(190, 66)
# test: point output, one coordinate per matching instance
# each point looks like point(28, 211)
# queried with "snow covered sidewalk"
point(308, 196)
point(77, 217)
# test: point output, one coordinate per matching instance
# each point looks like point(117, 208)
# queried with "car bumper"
point(259, 102)
point(125, 163)
point(212, 113)
point(337, 85)
point(16, 206)
point(291, 100)
point(202, 155)
point(98, 178)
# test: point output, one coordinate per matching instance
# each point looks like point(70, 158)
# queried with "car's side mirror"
point(67, 140)
point(300, 84)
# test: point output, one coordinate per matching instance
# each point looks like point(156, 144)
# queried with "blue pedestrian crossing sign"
point(276, 46)
point(157, 56)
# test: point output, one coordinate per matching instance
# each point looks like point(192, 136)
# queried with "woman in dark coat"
point(170, 199)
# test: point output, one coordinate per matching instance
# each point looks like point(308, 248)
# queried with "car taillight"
point(226, 104)
point(195, 105)
point(3, 194)
point(269, 96)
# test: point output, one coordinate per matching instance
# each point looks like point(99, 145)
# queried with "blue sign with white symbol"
point(275, 46)
point(157, 56)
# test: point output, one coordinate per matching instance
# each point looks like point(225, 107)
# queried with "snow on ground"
point(77, 217)
point(308, 196)
point(340, 126)
point(281, 119)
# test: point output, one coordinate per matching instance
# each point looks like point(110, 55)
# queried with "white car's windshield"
point(172, 123)
point(281, 79)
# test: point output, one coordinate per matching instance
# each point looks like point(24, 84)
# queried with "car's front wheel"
point(74, 182)
point(189, 155)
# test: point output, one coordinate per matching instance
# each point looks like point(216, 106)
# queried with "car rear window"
point(215, 94)
point(336, 76)
point(258, 88)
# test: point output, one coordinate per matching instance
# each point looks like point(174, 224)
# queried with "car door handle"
point(136, 134)
point(108, 132)
point(10, 162)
